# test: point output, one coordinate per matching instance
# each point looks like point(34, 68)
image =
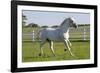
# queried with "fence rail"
point(75, 34)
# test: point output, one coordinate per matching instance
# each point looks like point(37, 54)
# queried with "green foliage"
point(44, 26)
point(33, 25)
point(24, 18)
point(55, 26)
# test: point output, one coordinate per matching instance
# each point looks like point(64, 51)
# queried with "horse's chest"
point(66, 35)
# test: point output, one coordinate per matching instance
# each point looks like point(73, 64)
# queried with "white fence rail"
point(75, 34)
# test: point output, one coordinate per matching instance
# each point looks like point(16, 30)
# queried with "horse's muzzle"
point(75, 25)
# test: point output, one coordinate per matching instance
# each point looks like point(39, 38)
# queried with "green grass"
point(31, 50)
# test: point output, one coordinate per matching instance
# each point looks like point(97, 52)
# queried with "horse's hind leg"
point(41, 50)
point(51, 47)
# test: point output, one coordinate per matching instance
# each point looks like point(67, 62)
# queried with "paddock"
point(80, 39)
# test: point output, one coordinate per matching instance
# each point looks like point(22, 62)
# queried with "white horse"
point(57, 34)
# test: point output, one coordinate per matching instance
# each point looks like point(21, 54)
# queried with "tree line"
point(24, 19)
point(24, 22)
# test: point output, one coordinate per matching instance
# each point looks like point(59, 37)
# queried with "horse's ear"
point(69, 18)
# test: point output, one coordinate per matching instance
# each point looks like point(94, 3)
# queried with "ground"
point(31, 50)
point(80, 48)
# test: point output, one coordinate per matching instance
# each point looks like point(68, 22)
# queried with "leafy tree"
point(24, 18)
point(44, 26)
point(55, 26)
point(33, 25)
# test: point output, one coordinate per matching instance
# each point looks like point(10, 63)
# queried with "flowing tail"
point(38, 35)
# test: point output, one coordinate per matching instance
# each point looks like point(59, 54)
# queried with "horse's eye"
point(71, 21)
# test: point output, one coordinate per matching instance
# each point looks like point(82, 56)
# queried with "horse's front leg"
point(67, 47)
point(69, 42)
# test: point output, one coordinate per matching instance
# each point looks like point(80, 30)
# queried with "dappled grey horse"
point(57, 34)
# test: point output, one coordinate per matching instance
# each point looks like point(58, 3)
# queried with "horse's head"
point(72, 22)
point(69, 22)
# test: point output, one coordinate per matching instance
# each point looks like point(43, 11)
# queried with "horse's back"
point(53, 34)
point(49, 33)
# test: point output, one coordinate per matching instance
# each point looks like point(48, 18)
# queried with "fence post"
point(84, 33)
point(33, 35)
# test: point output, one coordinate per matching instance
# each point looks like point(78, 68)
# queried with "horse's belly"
point(54, 36)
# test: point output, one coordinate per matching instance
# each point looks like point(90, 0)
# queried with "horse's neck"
point(65, 29)
point(65, 26)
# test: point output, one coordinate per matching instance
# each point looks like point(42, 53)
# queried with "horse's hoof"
point(54, 55)
point(39, 54)
point(65, 49)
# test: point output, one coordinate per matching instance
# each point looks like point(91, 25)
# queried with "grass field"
point(31, 50)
